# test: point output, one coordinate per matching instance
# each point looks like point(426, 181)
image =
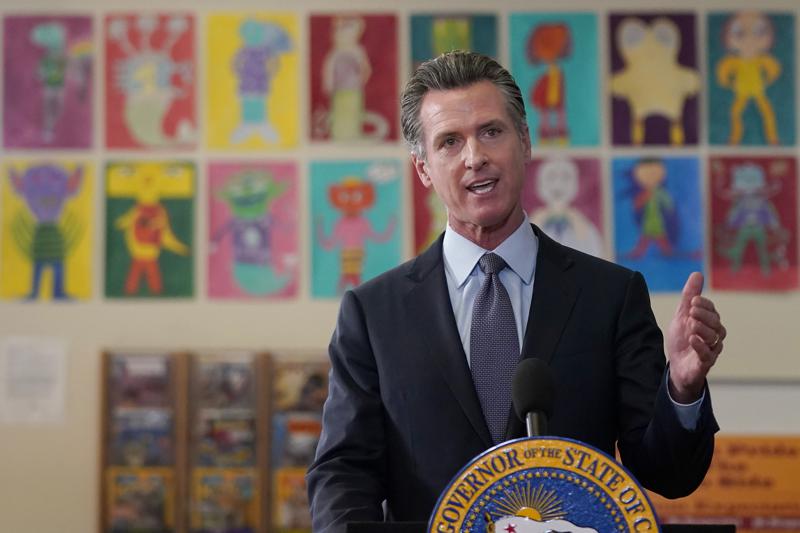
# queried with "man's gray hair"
point(454, 70)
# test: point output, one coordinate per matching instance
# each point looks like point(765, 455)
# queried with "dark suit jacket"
point(402, 416)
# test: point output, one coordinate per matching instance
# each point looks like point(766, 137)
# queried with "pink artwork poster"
point(753, 223)
point(47, 82)
point(354, 78)
point(150, 81)
point(564, 197)
point(253, 250)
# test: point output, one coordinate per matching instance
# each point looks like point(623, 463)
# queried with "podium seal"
point(534, 485)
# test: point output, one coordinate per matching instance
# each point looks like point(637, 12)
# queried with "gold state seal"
point(543, 484)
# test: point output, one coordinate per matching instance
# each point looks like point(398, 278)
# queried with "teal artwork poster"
point(432, 35)
point(355, 208)
point(554, 58)
point(751, 79)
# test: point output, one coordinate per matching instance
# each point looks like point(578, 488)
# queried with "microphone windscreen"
point(533, 388)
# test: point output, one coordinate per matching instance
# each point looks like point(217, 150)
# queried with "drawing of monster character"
point(752, 218)
point(344, 74)
point(557, 185)
point(653, 82)
point(52, 72)
point(549, 43)
point(147, 230)
point(654, 208)
point(748, 69)
point(57, 63)
point(255, 66)
point(47, 239)
point(352, 196)
point(249, 195)
point(450, 33)
point(146, 78)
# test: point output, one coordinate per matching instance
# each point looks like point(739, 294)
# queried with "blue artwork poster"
point(658, 218)
point(751, 79)
point(355, 208)
point(554, 58)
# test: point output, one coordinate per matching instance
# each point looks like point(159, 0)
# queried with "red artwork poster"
point(753, 223)
point(354, 78)
point(430, 215)
point(150, 79)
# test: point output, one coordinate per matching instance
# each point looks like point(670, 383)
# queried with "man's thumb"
point(692, 288)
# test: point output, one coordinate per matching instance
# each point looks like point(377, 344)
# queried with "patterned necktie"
point(494, 346)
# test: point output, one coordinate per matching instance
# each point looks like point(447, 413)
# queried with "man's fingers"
point(706, 354)
point(704, 331)
point(703, 302)
point(711, 331)
point(709, 318)
point(706, 322)
point(700, 346)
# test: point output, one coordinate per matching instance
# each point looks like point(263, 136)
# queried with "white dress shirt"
point(465, 277)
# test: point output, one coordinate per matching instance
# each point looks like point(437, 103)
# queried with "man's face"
point(475, 159)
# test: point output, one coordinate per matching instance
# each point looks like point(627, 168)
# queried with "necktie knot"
point(491, 263)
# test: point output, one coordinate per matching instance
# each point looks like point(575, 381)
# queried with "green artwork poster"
point(149, 229)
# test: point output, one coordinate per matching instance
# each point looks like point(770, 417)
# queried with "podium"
point(537, 484)
point(422, 527)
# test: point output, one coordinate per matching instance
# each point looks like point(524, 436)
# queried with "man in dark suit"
point(405, 412)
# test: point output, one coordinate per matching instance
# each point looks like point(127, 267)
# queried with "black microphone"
point(532, 392)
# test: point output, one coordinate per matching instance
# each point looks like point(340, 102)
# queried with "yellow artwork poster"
point(46, 230)
point(252, 81)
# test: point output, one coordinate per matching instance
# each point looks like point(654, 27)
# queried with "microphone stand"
point(536, 424)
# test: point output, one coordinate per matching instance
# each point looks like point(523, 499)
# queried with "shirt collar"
point(518, 251)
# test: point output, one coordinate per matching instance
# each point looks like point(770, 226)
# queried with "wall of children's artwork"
point(199, 176)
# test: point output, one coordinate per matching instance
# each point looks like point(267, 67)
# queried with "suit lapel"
point(554, 295)
point(429, 302)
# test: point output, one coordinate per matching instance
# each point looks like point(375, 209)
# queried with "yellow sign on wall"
point(754, 483)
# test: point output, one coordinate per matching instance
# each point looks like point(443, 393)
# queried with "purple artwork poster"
point(252, 230)
point(564, 197)
point(47, 89)
point(654, 81)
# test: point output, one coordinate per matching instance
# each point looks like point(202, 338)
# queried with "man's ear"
point(422, 171)
point(526, 142)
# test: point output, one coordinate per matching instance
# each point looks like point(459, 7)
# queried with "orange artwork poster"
point(752, 483)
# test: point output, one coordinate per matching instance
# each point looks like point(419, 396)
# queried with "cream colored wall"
point(48, 475)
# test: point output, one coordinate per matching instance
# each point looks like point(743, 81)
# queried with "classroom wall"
point(48, 474)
